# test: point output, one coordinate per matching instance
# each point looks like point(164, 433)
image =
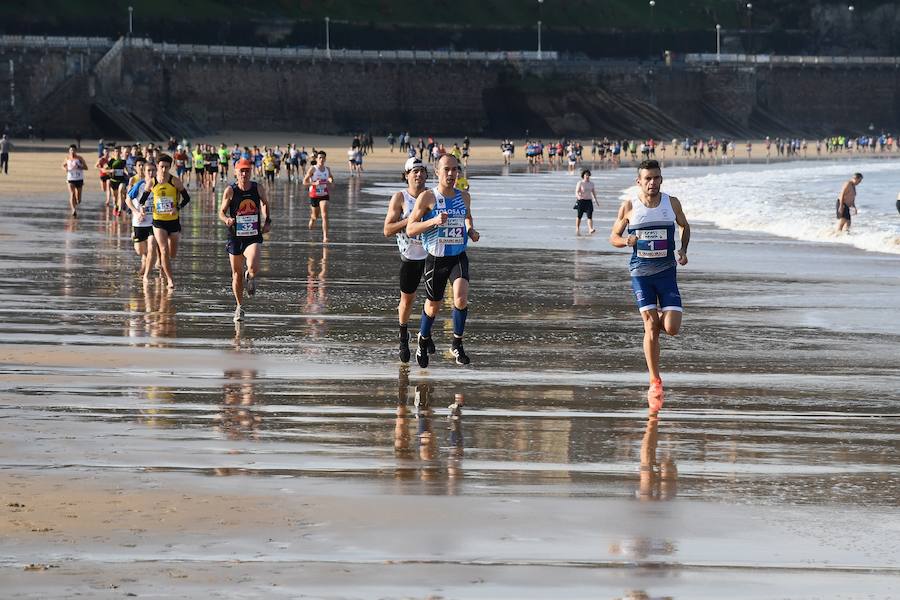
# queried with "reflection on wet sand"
point(316, 292)
point(659, 479)
point(155, 414)
point(429, 466)
point(237, 419)
point(152, 315)
point(642, 595)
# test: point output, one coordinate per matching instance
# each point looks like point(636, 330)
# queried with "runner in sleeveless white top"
point(142, 220)
point(651, 221)
point(443, 217)
point(74, 166)
point(318, 178)
point(412, 254)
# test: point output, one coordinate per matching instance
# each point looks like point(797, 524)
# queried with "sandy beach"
point(34, 163)
point(153, 449)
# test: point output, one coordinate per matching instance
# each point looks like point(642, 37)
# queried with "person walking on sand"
point(412, 253)
point(585, 198)
point(847, 200)
point(5, 145)
point(651, 221)
point(74, 166)
point(318, 178)
point(443, 217)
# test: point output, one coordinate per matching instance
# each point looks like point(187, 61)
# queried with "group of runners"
point(606, 152)
point(433, 227)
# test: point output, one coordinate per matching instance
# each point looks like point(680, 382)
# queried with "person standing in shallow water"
point(846, 201)
point(651, 221)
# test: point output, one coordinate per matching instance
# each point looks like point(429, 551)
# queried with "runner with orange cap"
point(245, 211)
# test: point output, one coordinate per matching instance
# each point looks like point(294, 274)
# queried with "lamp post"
point(718, 41)
point(850, 10)
point(130, 20)
point(540, 55)
point(652, 30)
point(750, 28)
point(328, 37)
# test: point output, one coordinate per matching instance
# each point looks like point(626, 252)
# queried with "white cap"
point(180, 147)
point(413, 163)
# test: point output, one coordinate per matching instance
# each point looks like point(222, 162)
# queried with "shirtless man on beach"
point(651, 221)
point(585, 198)
point(846, 201)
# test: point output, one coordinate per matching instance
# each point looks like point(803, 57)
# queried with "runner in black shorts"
point(245, 211)
point(443, 217)
point(319, 179)
point(117, 180)
point(412, 254)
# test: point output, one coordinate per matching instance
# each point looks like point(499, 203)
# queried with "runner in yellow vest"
point(164, 189)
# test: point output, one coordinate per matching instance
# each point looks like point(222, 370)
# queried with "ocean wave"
point(795, 201)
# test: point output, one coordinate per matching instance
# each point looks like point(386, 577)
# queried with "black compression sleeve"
point(185, 198)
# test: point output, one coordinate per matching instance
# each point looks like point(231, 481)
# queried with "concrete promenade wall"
point(54, 90)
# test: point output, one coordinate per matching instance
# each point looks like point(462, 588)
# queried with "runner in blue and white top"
point(412, 254)
point(651, 221)
point(141, 220)
point(443, 217)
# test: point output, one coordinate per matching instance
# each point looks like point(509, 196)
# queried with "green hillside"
point(600, 15)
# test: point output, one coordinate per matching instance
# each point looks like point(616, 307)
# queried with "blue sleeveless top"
point(451, 238)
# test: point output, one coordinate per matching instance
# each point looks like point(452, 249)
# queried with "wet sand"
point(150, 448)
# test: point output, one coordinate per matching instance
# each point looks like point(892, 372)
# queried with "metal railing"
point(47, 41)
point(775, 59)
point(260, 52)
point(111, 55)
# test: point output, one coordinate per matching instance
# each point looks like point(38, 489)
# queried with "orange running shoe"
point(655, 396)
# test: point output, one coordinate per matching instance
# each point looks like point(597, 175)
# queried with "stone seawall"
point(59, 91)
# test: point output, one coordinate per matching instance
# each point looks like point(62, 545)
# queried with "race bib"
point(652, 243)
point(118, 172)
point(246, 225)
point(165, 205)
point(454, 232)
point(76, 174)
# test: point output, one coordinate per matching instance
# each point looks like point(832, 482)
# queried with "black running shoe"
point(422, 352)
point(457, 350)
point(430, 342)
point(404, 349)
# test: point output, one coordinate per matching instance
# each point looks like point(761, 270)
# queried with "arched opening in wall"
point(104, 125)
point(508, 114)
